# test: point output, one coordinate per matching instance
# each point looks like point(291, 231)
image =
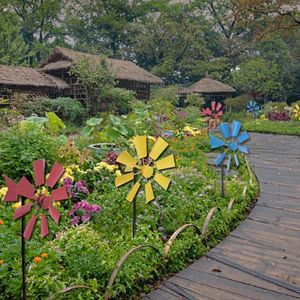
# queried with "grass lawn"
point(276, 127)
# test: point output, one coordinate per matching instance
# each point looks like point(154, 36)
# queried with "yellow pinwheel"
point(146, 167)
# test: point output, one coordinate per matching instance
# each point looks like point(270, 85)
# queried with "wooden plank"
point(275, 201)
point(241, 289)
point(269, 234)
point(220, 269)
point(279, 190)
point(274, 216)
point(206, 291)
point(268, 261)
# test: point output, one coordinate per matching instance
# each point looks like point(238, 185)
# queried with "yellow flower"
point(1, 261)
point(44, 255)
point(296, 112)
point(1, 222)
point(263, 118)
point(104, 165)
point(3, 192)
point(151, 138)
point(56, 204)
point(16, 205)
point(118, 173)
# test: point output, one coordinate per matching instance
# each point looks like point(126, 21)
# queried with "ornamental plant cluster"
point(95, 224)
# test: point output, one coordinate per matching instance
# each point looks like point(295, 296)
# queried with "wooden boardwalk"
point(261, 258)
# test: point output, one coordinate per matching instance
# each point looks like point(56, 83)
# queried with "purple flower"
point(75, 220)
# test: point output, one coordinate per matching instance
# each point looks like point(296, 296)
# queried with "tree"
point(170, 42)
point(270, 16)
point(95, 77)
point(13, 48)
point(40, 25)
point(102, 25)
point(259, 78)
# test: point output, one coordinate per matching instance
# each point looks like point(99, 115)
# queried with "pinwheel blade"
point(55, 173)
point(120, 180)
point(219, 113)
point(220, 159)
point(237, 163)
point(29, 228)
point(126, 159)
point(149, 192)
point(166, 163)
point(130, 197)
point(244, 149)
point(46, 202)
point(159, 147)
point(243, 137)
point(162, 180)
point(140, 143)
point(206, 112)
point(219, 106)
point(44, 226)
point(22, 211)
point(25, 188)
point(12, 193)
point(55, 215)
point(229, 162)
point(213, 105)
point(215, 142)
point(39, 171)
point(60, 194)
point(225, 130)
point(236, 127)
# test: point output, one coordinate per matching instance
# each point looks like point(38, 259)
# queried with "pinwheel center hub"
point(233, 146)
point(40, 200)
point(147, 171)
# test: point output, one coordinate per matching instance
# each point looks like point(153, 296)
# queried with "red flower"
point(213, 114)
point(40, 201)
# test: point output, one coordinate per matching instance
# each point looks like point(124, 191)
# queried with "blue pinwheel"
point(234, 144)
point(253, 108)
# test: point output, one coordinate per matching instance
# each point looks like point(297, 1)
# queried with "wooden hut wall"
point(141, 89)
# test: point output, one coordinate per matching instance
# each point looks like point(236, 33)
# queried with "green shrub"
point(8, 117)
point(68, 109)
point(169, 94)
point(21, 145)
point(195, 100)
point(237, 104)
point(118, 99)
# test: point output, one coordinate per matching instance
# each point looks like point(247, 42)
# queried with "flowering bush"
point(82, 212)
point(77, 190)
point(296, 112)
point(279, 116)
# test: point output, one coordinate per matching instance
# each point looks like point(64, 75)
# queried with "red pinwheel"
point(40, 200)
point(213, 114)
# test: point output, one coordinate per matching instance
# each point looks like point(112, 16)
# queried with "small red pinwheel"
point(213, 114)
point(40, 199)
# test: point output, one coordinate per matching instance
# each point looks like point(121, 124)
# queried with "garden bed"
point(86, 255)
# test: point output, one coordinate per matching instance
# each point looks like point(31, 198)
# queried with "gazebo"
point(209, 88)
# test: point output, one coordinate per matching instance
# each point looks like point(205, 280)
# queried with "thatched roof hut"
point(28, 80)
point(208, 88)
point(11, 76)
point(62, 58)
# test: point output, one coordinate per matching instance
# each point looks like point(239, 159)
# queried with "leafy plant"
point(21, 145)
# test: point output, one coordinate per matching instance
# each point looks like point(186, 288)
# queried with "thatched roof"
point(21, 76)
point(63, 58)
point(210, 86)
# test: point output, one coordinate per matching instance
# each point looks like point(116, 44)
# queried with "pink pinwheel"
point(213, 114)
point(40, 200)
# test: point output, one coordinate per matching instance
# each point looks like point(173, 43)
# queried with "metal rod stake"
point(23, 254)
